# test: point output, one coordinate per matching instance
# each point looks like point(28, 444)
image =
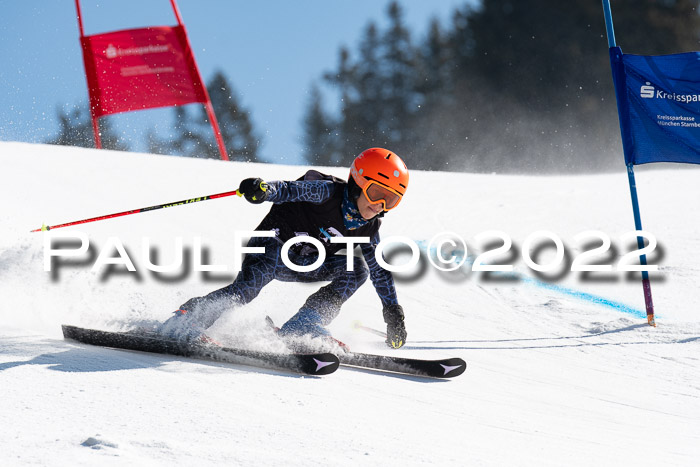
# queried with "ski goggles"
point(377, 193)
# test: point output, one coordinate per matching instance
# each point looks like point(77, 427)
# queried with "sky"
point(271, 51)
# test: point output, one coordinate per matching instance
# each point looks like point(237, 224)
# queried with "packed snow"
point(562, 369)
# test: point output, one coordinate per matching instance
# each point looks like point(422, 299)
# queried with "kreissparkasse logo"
point(111, 51)
point(647, 91)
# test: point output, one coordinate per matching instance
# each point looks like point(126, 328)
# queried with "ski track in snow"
point(555, 375)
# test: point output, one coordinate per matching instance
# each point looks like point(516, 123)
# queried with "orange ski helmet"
point(381, 175)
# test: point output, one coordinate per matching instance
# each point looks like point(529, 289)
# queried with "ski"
point(444, 368)
point(314, 363)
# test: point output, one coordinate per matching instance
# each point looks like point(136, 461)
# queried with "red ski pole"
point(136, 211)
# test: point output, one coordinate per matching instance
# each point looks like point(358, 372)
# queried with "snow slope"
point(561, 372)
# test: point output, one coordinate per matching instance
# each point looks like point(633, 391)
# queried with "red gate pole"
point(95, 119)
point(207, 105)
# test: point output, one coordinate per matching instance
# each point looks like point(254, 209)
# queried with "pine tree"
point(192, 134)
point(435, 87)
point(343, 80)
point(399, 87)
point(654, 27)
point(76, 130)
point(367, 109)
point(434, 63)
point(547, 73)
point(379, 91)
point(241, 142)
point(183, 137)
point(319, 132)
point(509, 85)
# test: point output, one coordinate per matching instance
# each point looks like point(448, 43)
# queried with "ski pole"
point(359, 325)
point(136, 211)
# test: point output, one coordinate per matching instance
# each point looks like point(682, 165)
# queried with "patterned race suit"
point(319, 206)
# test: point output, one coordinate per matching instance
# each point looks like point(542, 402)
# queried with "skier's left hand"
point(254, 190)
point(395, 327)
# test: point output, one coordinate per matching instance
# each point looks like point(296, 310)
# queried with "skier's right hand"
point(254, 190)
point(395, 327)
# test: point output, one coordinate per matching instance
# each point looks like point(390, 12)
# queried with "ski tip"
point(452, 367)
point(320, 364)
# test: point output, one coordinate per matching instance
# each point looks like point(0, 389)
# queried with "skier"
point(320, 206)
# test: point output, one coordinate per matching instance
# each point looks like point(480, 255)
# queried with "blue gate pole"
point(609, 24)
point(646, 284)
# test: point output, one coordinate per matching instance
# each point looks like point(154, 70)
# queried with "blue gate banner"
point(658, 102)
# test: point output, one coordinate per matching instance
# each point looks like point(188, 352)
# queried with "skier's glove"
point(395, 328)
point(254, 190)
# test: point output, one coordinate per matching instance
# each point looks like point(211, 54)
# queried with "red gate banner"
point(139, 69)
point(136, 69)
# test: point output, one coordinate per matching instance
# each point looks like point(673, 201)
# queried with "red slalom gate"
point(136, 69)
